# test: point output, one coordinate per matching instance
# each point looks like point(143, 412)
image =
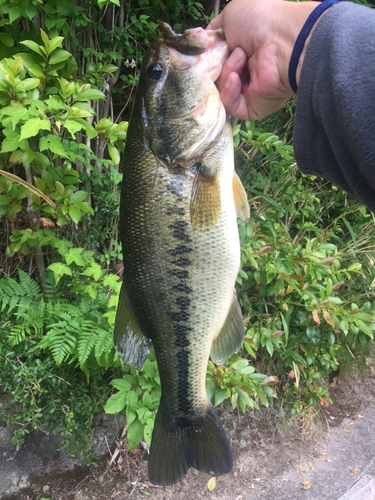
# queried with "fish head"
point(178, 106)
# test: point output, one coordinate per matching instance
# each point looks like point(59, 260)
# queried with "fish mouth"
point(192, 46)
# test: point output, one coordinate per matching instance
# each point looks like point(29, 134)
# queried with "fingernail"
point(235, 59)
point(228, 84)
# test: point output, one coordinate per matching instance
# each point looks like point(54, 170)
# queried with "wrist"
point(294, 17)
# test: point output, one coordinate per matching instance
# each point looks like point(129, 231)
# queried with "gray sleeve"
point(334, 130)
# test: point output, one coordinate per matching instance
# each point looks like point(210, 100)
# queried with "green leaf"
point(238, 365)
point(94, 270)
point(28, 156)
point(5, 199)
point(69, 179)
point(32, 127)
point(85, 207)
point(53, 143)
point(220, 395)
point(245, 397)
point(54, 43)
point(78, 196)
point(90, 131)
point(364, 316)
point(59, 56)
point(7, 39)
point(365, 328)
point(45, 39)
point(14, 13)
point(34, 47)
point(350, 229)
point(30, 11)
point(269, 346)
point(10, 143)
point(114, 153)
point(90, 94)
point(28, 84)
point(59, 188)
point(59, 269)
point(36, 70)
point(75, 213)
point(116, 403)
point(121, 384)
point(74, 255)
point(72, 126)
point(135, 434)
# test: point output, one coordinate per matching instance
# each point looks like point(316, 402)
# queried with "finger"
point(233, 99)
point(215, 23)
point(235, 63)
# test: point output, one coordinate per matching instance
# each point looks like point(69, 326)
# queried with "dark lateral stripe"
point(181, 274)
point(180, 249)
point(181, 335)
point(182, 262)
point(181, 287)
point(178, 231)
point(184, 403)
point(183, 302)
point(180, 316)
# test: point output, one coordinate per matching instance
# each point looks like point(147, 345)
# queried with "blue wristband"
point(301, 39)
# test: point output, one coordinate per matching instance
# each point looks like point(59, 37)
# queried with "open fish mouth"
point(184, 48)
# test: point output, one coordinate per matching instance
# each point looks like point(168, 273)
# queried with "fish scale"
point(181, 255)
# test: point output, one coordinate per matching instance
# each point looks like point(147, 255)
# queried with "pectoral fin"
point(231, 335)
point(132, 345)
point(205, 205)
point(240, 199)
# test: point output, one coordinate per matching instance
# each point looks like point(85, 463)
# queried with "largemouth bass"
point(179, 203)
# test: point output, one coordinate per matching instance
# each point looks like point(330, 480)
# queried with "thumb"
point(215, 23)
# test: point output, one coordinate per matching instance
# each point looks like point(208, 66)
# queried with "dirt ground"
point(269, 453)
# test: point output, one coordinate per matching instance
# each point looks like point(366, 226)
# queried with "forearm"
point(334, 132)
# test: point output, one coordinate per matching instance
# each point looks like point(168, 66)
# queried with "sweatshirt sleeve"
point(334, 130)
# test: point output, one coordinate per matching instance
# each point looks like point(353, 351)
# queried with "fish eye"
point(155, 71)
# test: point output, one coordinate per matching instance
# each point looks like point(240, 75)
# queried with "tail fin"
point(201, 444)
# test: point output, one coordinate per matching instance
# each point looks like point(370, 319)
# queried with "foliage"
point(300, 284)
point(47, 341)
point(138, 395)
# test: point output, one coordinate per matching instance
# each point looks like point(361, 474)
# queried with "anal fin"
point(130, 342)
point(240, 199)
point(231, 335)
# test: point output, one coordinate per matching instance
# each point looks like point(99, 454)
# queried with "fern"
point(12, 292)
point(70, 332)
point(49, 288)
point(86, 342)
point(103, 345)
point(29, 287)
point(59, 341)
point(30, 321)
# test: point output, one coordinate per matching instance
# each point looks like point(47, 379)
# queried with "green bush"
point(306, 273)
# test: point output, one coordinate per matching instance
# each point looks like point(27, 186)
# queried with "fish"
point(180, 200)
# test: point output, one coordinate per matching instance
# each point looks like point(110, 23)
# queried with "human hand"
point(261, 35)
